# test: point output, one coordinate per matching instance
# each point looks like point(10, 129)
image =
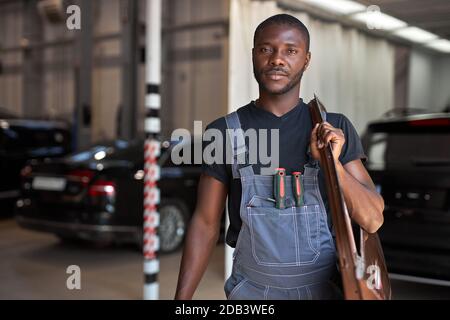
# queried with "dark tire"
point(174, 216)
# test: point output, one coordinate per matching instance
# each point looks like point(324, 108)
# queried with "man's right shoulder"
point(221, 124)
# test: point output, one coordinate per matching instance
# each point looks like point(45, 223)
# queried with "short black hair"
point(283, 19)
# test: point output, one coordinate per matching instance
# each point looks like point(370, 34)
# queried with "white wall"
point(194, 64)
point(11, 22)
point(58, 96)
point(58, 67)
point(441, 91)
point(429, 80)
point(106, 79)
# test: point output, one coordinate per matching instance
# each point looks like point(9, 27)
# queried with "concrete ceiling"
point(431, 15)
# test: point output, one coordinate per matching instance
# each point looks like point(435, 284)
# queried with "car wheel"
point(172, 225)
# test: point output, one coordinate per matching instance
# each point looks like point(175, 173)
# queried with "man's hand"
point(322, 134)
point(364, 204)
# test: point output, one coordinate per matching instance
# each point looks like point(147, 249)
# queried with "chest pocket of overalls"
point(283, 237)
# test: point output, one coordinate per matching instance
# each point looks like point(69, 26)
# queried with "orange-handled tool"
point(297, 188)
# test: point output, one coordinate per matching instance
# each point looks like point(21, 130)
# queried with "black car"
point(409, 161)
point(21, 140)
point(97, 195)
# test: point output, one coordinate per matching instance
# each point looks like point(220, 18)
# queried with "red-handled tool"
point(280, 188)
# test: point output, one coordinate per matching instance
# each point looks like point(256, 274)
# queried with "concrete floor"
point(33, 266)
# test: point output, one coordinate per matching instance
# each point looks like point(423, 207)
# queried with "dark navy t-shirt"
point(294, 136)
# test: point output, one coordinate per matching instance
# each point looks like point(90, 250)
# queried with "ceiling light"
point(338, 6)
point(378, 20)
point(415, 34)
point(442, 45)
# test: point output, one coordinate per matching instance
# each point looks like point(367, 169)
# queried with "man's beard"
point(291, 84)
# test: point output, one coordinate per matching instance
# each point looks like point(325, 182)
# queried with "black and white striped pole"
point(152, 148)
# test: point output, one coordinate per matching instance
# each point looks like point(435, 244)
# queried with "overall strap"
point(237, 140)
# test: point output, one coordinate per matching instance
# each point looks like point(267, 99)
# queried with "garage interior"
point(93, 79)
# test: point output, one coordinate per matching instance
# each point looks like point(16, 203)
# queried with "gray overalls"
point(280, 253)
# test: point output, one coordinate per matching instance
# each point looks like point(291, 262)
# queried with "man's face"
point(279, 58)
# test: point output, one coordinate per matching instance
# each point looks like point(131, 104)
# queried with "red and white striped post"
point(152, 148)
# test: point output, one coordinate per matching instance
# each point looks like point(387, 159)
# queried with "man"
point(280, 253)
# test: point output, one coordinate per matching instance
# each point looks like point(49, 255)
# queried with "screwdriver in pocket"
point(279, 188)
point(297, 188)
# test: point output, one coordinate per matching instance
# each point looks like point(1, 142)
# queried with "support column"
point(33, 89)
point(152, 148)
point(83, 76)
point(128, 107)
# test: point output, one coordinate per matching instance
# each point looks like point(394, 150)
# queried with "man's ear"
point(308, 60)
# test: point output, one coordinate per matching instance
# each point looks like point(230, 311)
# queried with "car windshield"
point(21, 138)
point(99, 151)
point(131, 151)
point(408, 145)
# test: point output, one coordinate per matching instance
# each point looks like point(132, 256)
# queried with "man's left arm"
point(364, 204)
